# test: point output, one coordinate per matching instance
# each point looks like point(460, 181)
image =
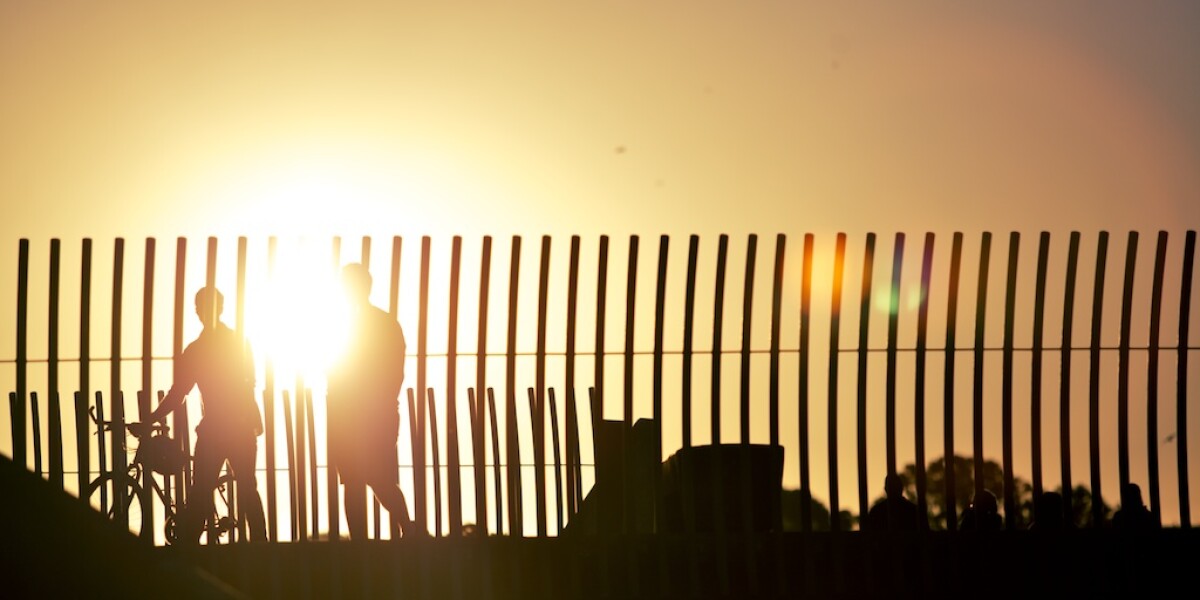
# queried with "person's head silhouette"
point(893, 486)
point(1131, 496)
point(985, 503)
point(356, 280)
point(209, 305)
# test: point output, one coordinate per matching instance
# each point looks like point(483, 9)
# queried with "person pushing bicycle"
point(221, 364)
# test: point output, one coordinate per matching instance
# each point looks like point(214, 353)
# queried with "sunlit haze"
point(300, 122)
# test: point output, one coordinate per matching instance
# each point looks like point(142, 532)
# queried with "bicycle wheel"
point(105, 492)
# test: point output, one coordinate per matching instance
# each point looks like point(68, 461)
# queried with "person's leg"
point(356, 508)
point(206, 467)
point(242, 458)
point(392, 499)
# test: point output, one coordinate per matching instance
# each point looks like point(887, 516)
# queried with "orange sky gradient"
point(141, 119)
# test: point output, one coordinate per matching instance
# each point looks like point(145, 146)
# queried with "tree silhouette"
point(993, 480)
point(1081, 507)
point(964, 488)
point(790, 506)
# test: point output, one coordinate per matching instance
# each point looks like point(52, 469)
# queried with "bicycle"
point(159, 453)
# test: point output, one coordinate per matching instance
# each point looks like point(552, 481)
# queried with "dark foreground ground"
point(935, 565)
point(54, 546)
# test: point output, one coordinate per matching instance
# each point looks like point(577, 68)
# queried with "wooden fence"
point(312, 512)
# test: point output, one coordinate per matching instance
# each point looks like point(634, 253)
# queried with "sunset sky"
point(144, 118)
point(314, 119)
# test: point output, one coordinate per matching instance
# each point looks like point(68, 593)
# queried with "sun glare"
point(298, 318)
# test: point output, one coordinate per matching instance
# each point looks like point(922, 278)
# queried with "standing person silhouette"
point(220, 363)
point(364, 408)
point(894, 512)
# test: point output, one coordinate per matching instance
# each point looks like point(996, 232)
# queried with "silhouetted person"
point(364, 415)
point(1048, 513)
point(1133, 515)
point(982, 515)
point(895, 512)
point(220, 363)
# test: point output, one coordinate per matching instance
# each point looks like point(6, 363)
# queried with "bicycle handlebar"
point(136, 429)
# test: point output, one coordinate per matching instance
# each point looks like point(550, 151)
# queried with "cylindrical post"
point(1094, 381)
point(660, 299)
point(948, 457)
point(776, 306)
point(718, 327)
point(630, 313)
point(919, 382)
point(117, 434)
point(147, 389)
point(805, 350)
point(18, 406)
point(481, 512)
point(1064, 398)
point(1035, 375)
point(864, 326)
point(268, 410)
point(453, 474)
point(977, 457)
point(601, 302)
point(1181, 388)
point(558, 475)
point(421, 499)
point(1123, 358)
point(893, 334)
point(53, 409)
point(82, 439)
point(491, 407)
point(437, 466)
point(835, 318)
point(689, 333)
point(747, 330)
point(572, 311)
point(515, 520)
point(538, 414)
point(1152, 369)
point(1006, 409)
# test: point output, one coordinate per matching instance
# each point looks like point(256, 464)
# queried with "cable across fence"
point(529, 471)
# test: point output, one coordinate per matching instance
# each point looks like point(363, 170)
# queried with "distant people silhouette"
point(982, 515)
point(894, 512)
point(1133, 514)
point(364, 408)
point(1048, 513)
point(220, 363)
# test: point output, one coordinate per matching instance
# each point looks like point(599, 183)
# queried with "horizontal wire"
point(279, 470)
point(907, 349)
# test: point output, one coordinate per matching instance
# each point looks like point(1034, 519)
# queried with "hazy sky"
point(163, 119)
point(140, 118)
